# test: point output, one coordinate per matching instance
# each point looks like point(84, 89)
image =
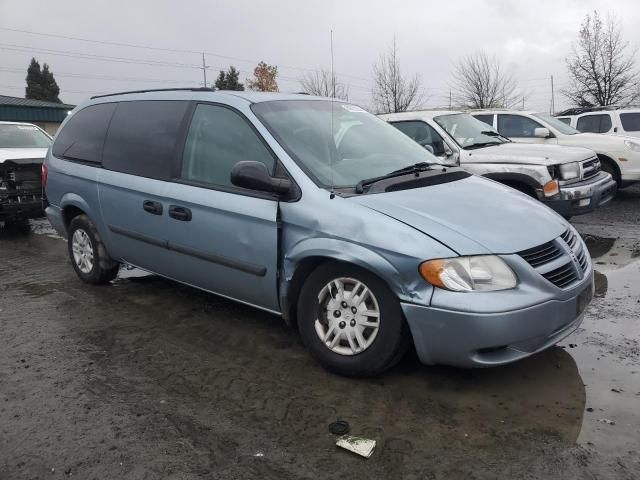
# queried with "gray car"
point(316, 211)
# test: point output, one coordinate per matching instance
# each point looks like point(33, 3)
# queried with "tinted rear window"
point(82, 137)
point(630, 122)
point(142, 138)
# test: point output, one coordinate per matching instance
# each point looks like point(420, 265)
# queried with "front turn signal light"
point(551, 188)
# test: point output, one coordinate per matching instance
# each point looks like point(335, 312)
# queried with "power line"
point(161, 49)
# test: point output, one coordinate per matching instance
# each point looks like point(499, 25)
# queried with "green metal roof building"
point(47, 115)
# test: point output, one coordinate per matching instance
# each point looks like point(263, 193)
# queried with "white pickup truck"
point(619, 155)
point(569, 180)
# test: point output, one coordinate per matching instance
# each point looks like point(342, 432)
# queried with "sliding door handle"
point(155, 208)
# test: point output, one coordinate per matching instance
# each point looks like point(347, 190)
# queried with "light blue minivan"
point(319, 212)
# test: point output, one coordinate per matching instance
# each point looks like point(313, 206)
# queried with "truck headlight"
point(632, 145)
point(468, 274)
point(569, 171)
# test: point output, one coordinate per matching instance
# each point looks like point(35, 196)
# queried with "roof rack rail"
point(194, 89)
point(597, 108)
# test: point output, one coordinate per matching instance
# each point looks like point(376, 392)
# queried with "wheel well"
point(609, 161)
point(69, 213)
point(520, 186)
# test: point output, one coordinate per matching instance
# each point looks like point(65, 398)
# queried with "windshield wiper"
point(491, 133)
point(415, 168)
point(481, 145)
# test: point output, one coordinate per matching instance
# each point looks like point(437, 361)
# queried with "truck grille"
point(562, 261)
point(590, 168)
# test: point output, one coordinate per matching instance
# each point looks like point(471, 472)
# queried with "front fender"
point(411, 289)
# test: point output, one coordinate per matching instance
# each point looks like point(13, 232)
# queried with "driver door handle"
point(180, 213)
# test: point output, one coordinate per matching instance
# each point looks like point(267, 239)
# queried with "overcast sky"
point(531, 38)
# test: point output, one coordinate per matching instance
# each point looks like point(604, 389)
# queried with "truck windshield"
point(339, 144)
point(469, 132)
point(557, 124)
point(23, 136)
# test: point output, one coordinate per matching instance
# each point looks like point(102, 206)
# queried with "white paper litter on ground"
point(359, 445)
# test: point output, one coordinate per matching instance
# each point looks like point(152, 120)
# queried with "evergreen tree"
point(41, 85)
point(229, 80)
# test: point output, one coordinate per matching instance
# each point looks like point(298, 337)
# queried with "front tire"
point(350, 321)
point(88, 254)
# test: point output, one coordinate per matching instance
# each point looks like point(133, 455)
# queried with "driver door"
point(223, 238)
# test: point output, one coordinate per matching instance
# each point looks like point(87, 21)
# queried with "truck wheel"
point(351, 321)
point(606, 166)
point(88, 254)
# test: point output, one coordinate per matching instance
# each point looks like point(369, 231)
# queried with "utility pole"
point(204, 71)
point(523, 102)
point(450, 99)
point(333, 74)
point(553, 100)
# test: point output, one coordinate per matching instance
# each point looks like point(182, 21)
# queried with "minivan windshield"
point(469, 132)
point(22, 136)
point(557, 124)
point(339, 144)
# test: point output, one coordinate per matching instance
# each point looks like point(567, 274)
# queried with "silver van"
point(321, 213)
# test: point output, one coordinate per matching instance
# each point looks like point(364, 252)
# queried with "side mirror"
point(447, 152)
point(429, 148)
point(542, 132)
point(255, 176)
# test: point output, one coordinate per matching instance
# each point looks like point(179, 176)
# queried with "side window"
point(594, 123)
point(219, 138)
point(486, 118)
point(630, 122)
point(566, 120)
point(422, 133)
point(82, 137)
point(517, 126)
point(142, 138)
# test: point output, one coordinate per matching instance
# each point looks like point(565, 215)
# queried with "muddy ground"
point(146, 379)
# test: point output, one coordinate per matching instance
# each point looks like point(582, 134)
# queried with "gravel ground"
point(147, 379)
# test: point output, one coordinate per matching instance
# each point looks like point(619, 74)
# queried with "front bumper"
point(584, 197)
point(467, 338)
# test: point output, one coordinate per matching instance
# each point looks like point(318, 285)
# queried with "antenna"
point(332, 195)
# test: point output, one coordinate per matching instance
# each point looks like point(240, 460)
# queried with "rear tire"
point(88, 254)
point(356, 330)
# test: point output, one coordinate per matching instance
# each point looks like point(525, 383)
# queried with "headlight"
point(569, 171)
point(632, 145)
point(467, 274)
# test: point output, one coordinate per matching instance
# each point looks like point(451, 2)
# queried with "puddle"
point(607, 347)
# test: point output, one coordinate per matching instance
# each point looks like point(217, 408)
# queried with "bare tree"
point(392, 92)
point(324, 84)
point(479, 81)
point(600, 70)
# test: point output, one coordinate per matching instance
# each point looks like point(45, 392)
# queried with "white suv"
point(613, 121)
point(619, 155)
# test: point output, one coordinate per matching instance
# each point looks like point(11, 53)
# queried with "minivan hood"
point(22, 153)
point(528, 153)
point(471, 216)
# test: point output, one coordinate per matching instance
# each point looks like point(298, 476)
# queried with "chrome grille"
point(590, 168)
point(555, 263)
